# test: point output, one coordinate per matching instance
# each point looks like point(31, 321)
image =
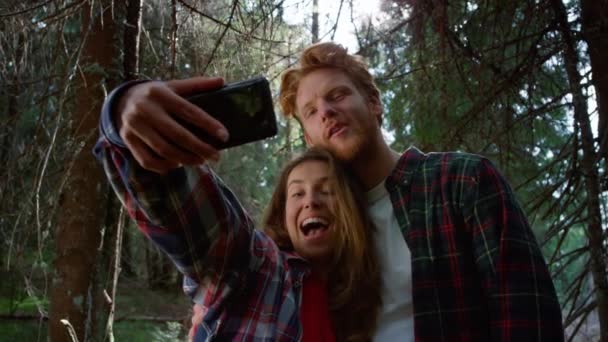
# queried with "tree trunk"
point(7, 139)
point(119, 230)
point(589, 167)
point(131, 72)
point(594, 15)
point(173, 38)
point(126, 259)
point(9, 134)
point(12, 93)
point(315, 21)
point(79, 230)
point(131, 40)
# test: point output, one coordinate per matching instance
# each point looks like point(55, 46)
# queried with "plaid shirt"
point(477, 271)
point(253, 289)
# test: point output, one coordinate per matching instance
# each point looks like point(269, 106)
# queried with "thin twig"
point(219, 40)
point(70, 329)
point(225, 25)
point(10, 14)
point(117, 269)
point(335, 27)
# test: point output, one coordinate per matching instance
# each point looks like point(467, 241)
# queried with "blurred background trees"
point(521, 82)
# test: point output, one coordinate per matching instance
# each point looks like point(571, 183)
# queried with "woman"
point(311, 275)
point(316, 212)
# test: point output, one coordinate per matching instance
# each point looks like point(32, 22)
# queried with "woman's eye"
point(297, 194)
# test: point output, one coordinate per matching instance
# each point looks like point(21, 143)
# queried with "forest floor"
point(141, 314)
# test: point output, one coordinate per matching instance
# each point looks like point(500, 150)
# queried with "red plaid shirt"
point(477, 271)
point(253, 289)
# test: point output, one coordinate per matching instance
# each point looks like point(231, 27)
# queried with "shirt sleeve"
point(106, 125)
point(522, 301)
point(189, 213)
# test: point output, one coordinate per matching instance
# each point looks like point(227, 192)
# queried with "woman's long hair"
point(354, 280)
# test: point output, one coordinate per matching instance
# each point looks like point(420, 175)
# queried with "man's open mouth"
point(335, 129)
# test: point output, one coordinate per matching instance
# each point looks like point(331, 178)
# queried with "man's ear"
point(306, 137)
point(375, 107)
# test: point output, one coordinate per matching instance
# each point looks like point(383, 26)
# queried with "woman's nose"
point(312, 201)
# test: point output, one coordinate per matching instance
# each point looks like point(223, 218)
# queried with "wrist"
point(110, 118)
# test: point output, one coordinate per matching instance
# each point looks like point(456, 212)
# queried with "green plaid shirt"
point(477, 271)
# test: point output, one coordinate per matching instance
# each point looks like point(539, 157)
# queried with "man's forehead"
point(318, 82)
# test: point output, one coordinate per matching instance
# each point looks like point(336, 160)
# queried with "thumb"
point(195, 84)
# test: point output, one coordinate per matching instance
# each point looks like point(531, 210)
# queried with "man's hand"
point(144, 119)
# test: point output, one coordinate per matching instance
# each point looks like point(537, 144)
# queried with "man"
point(459, 260)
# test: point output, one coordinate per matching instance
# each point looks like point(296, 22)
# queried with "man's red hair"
point(326, 56)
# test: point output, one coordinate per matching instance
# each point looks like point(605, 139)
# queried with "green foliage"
point(170, 332)
point(477, 76)
point(23, 331)
point(23, 304)
point(487, 77)
point(43, 73)
point(146, 331)
point(132, 331)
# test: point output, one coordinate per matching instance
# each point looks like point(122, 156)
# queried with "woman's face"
point(308, 213)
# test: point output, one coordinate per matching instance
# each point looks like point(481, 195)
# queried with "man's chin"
point(345, 156)
point(346, 152)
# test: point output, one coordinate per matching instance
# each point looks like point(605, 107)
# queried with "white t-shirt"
point(396, 318)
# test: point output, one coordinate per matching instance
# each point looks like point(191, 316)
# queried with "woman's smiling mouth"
point(314, 227)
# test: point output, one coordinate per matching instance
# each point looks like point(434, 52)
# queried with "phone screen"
point(244, 108)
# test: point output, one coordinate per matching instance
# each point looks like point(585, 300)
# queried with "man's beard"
point(350, 150)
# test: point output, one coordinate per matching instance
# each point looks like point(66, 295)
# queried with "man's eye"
point(338, 97)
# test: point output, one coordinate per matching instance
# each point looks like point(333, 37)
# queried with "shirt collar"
point(406, 166)
point(296, 262)
point(376, 193)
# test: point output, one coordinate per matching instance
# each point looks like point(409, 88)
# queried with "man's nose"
point(326, 109)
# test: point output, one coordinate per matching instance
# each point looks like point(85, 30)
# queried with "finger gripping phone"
point(244, 108)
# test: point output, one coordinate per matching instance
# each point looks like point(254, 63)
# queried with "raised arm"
point(186, 211)
point(142, 115)
point(522, 302)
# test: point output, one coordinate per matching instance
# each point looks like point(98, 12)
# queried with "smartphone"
point(245, 108)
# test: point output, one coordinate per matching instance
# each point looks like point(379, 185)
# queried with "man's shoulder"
point(451, 161)
point(415, 166)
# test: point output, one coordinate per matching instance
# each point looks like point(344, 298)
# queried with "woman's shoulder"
point(267, 254)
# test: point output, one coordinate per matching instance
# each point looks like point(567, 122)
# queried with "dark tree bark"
point(594, 15)
point(7, 138)
point(126, 258)
point(173, 38)
point(78, 235)
point(131, 40)
point(589, 170)
point(315, 21)
point(131, 72)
